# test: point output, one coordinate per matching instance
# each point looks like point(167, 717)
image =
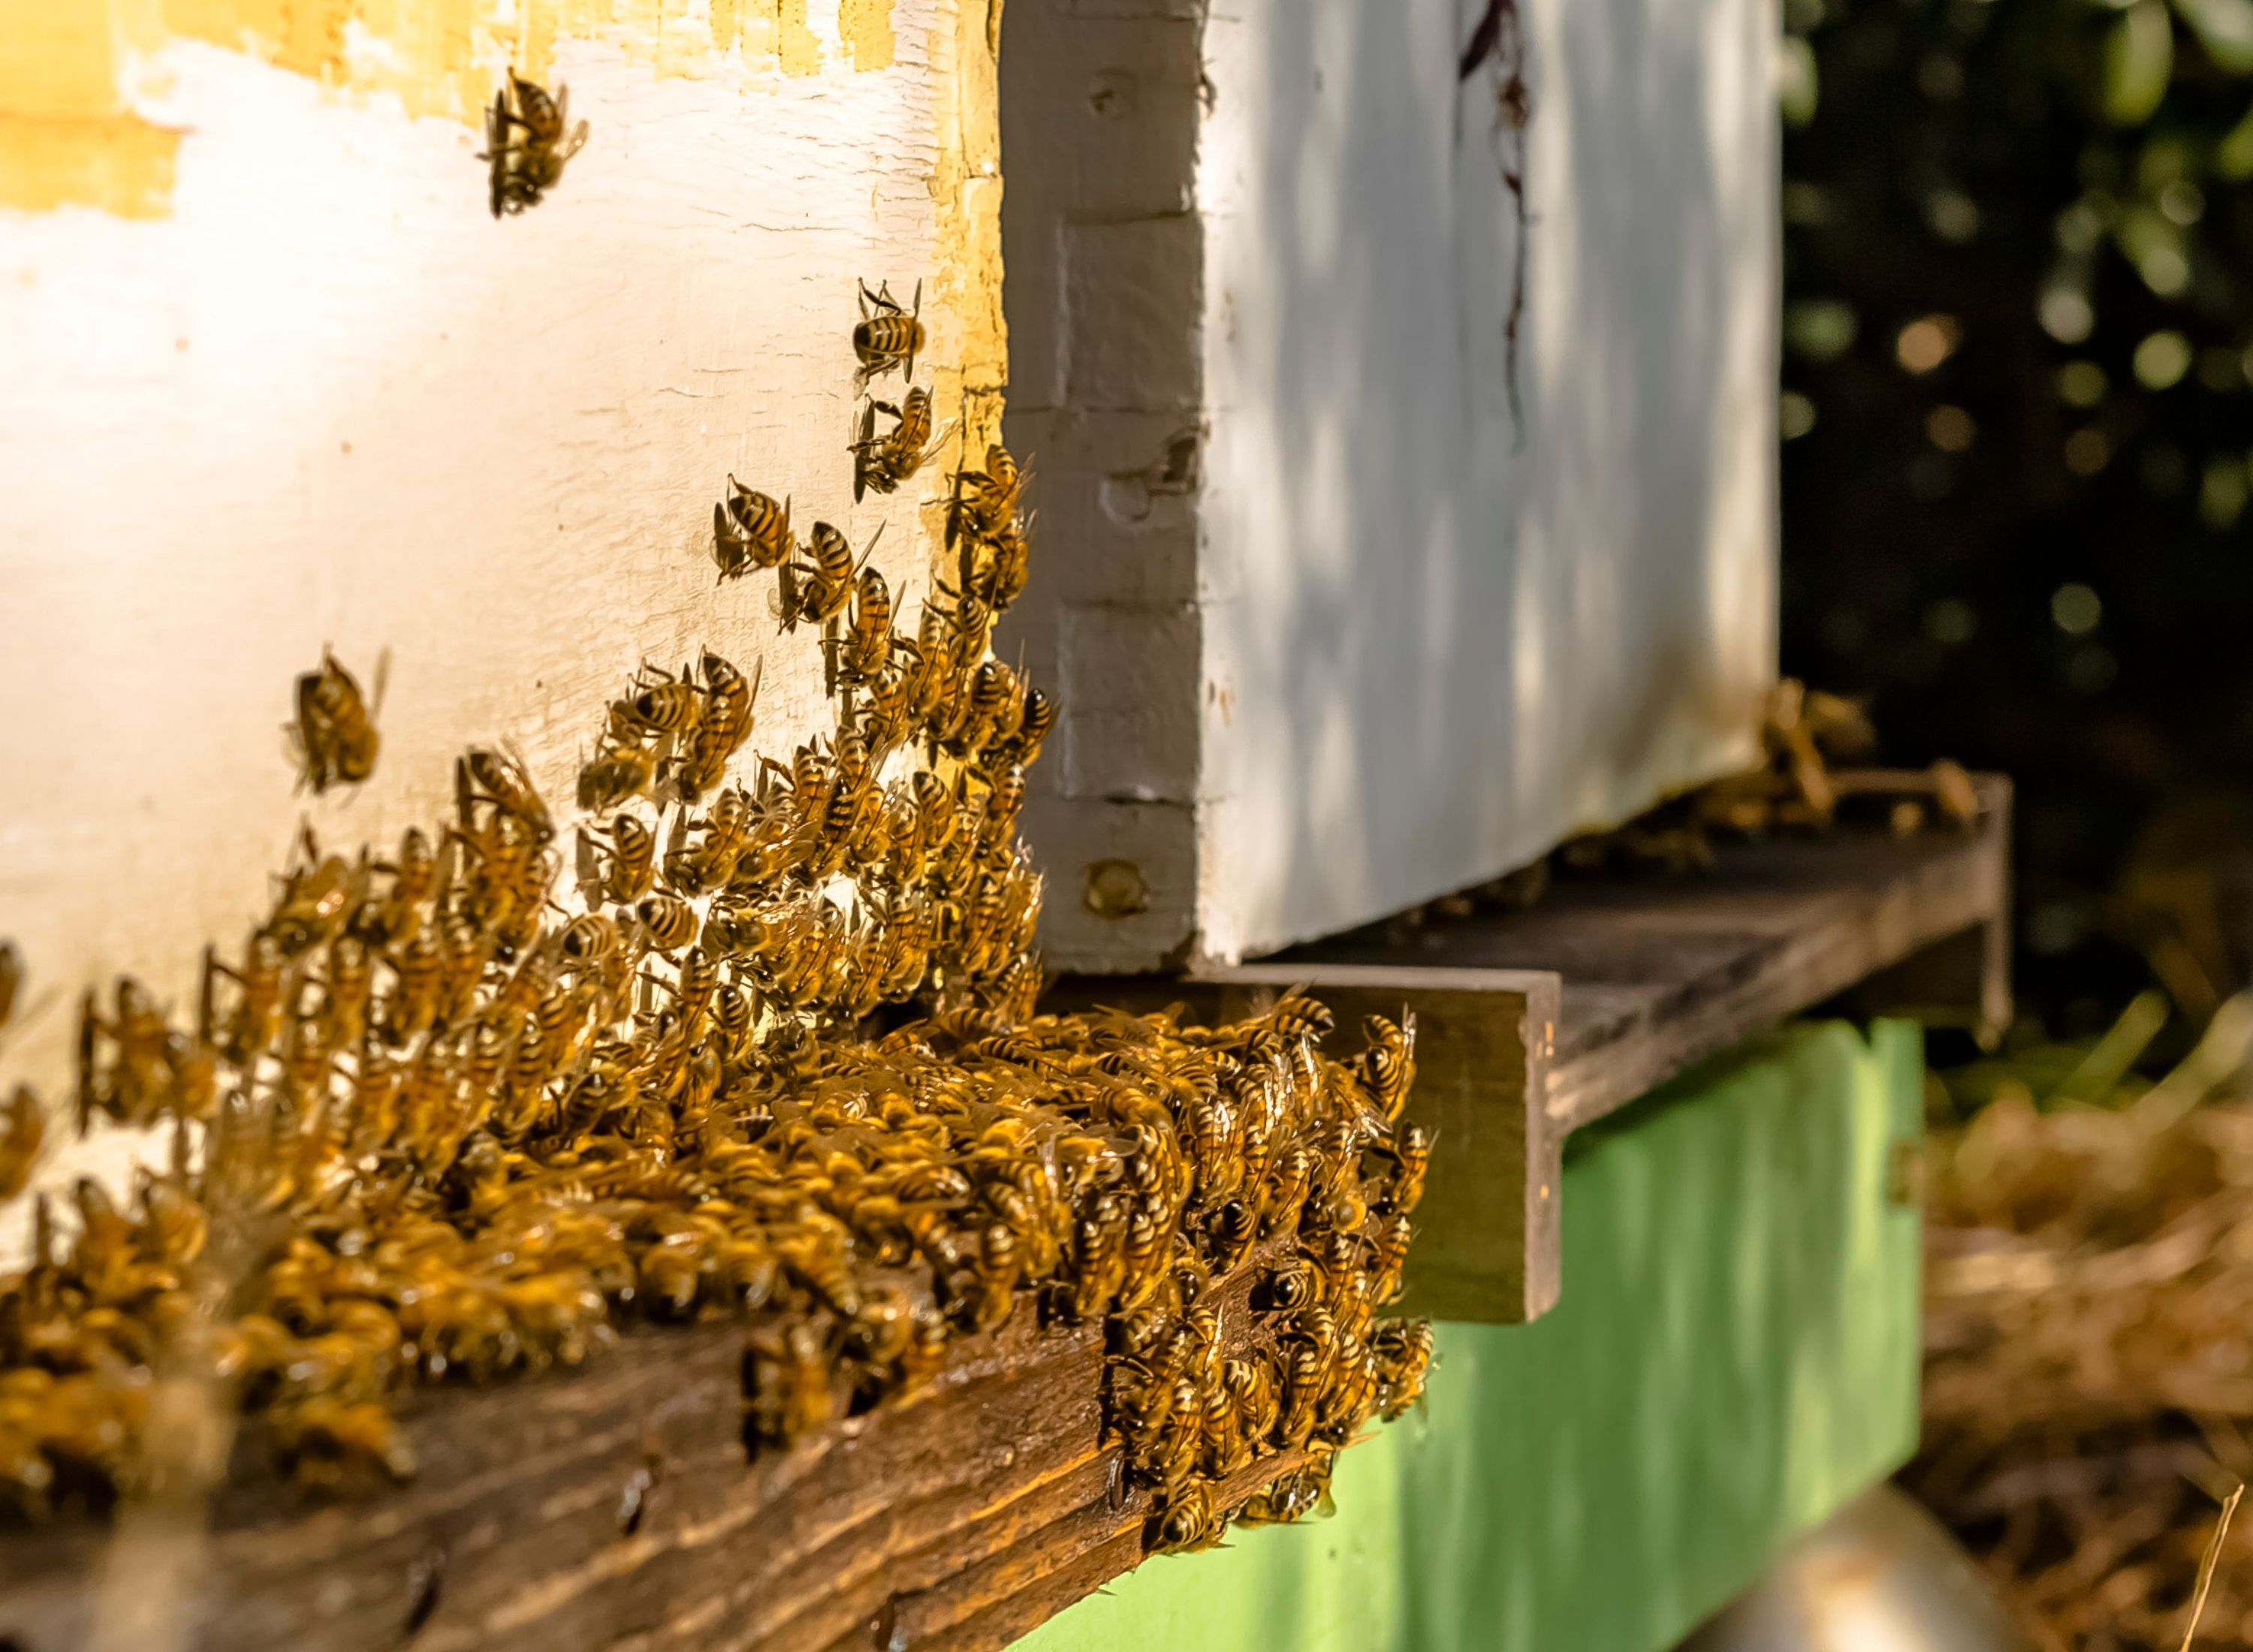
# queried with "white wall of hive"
point(324, 398)
point(1338, 631)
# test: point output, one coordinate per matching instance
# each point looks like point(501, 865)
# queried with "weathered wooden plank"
point(613, 1507)
point(1659, 973)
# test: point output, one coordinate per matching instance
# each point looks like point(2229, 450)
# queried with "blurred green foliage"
point(2017, 412)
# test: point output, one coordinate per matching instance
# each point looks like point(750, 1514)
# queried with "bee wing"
point(944, 433)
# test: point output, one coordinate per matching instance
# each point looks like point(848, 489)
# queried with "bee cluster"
point(778, 1061)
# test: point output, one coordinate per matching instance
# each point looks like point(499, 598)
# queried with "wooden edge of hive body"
point(1512, 1060)
point(1487, 1237)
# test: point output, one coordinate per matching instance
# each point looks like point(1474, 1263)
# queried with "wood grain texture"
point(956, 1519)
point(1660, 972)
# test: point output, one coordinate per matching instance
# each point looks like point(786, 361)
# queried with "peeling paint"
point(866, 28)
point(965, 189)
point(69, 134)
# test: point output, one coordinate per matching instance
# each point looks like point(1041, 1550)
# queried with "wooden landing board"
point(953, 1522)
point(1648, 975)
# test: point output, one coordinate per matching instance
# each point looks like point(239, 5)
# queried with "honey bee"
point(669, 922)
point(1402, 1353)
point(1032, 726)
point(490, 777)
point(1389, 1259)
point(882, 462)
point(1234, 1229)
point(1389, 1065)
point(620, 769)
point(790, 1384)
point(315, 899)
point(1188, 1523)
point(1298, 1016)
point(984, 502)
point(528, 139)
point(141, 1074)
point(590, 941)
point(664, 707)
point(622, 866)
point(709, 862)
point(1005, 567)
point(1412, 1156)
point(817, 588)
point(334, 738)
point(726, 726)
point(22, 1132)
point(257, 1017)
point(867, 643)
point(1251, 1384)
point(887, 336)
point(1303, 1492)
point(749, 530)
point(12, 981)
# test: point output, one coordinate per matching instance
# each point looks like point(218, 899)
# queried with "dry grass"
point(2088, 1376)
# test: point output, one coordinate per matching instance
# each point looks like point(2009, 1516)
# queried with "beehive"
point(1408, 535)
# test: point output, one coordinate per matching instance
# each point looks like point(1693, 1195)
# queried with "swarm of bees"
point(764, 1045)
point(529, 137)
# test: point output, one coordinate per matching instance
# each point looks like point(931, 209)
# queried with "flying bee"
point(484, 776)
point(884, 461)
point(334, 737)
point(817, 588)
point(749, 530)
point(887, 335)
point(11, 981)
point(528, 139)
point(669, 922)
point(23, 1131)
point(867, 642)
point(625, 869)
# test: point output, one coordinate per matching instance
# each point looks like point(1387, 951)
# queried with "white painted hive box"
point(1336, 627)
point(276, 378)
